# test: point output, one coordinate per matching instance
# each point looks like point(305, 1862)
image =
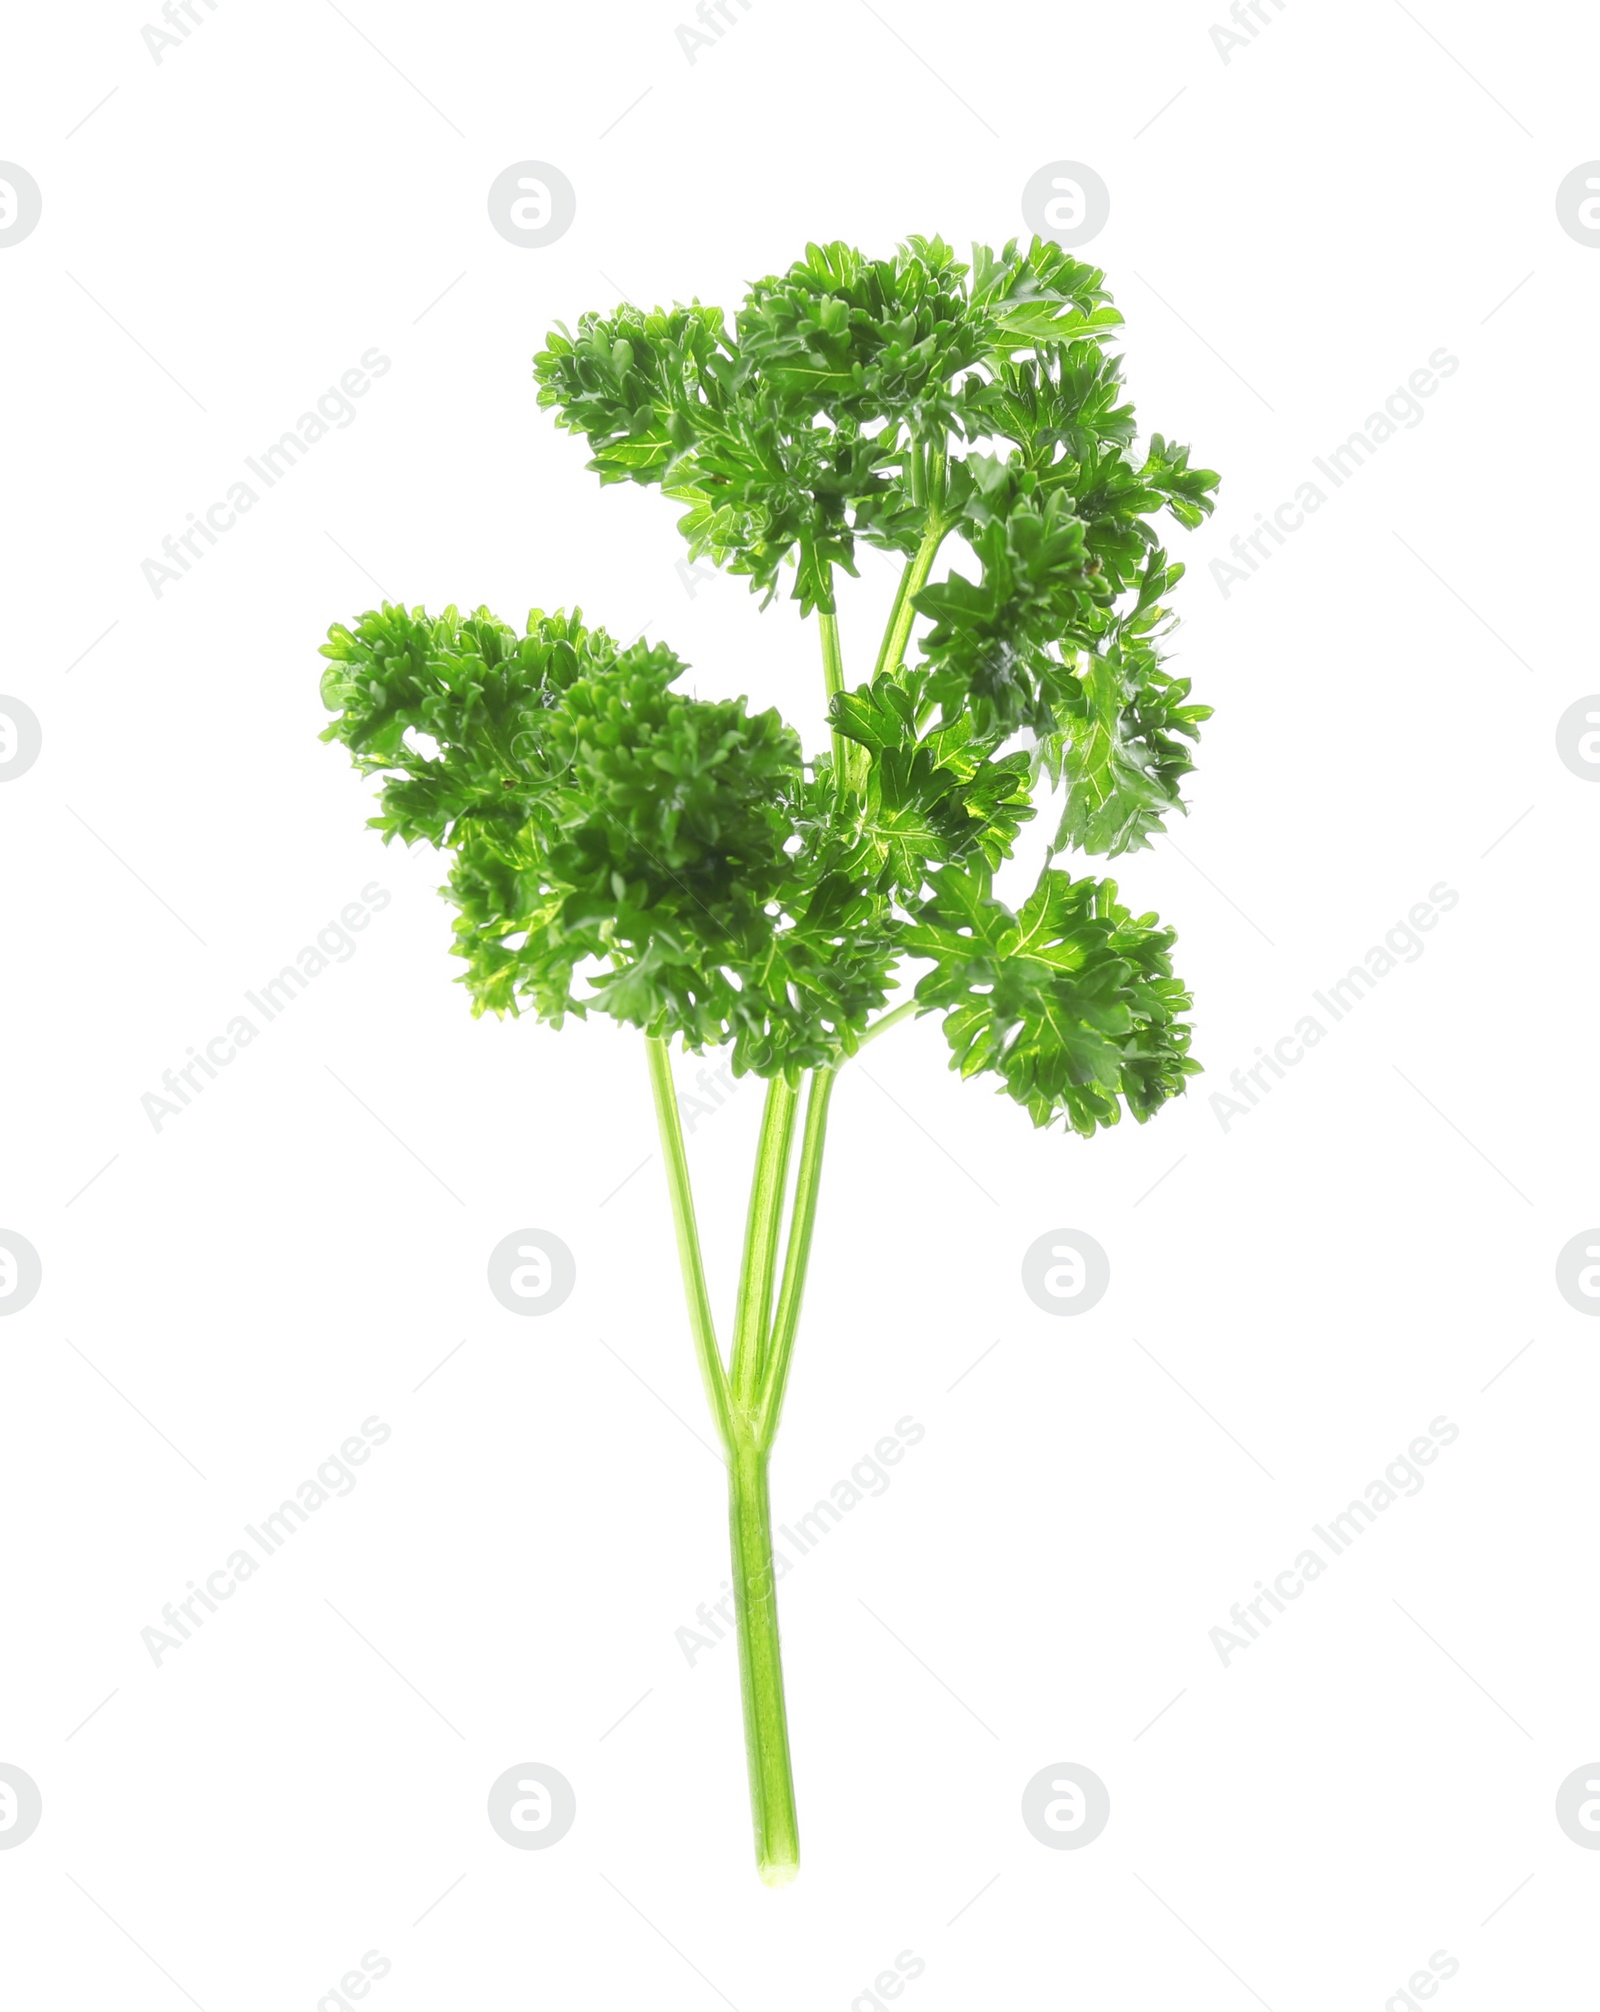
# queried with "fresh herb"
point(620, 847)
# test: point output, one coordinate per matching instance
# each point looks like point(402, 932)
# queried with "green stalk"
point(746, 1414)
point(753, 1313)
point(690, 1262)
point(888, 1020)
point(912, 582)
point(901, 594)
point(766, 1728)
point(844, 750)
point(766, 1720)
point(786, 1321)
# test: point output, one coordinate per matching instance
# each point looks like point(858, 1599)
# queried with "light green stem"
point(912, 582)
point(690, 1262)
point(753, 1313)
point(890, 1019)
point(786, 1321)
point(844, 749)
point(746, 1413)
point(766, 1721)
point(901, 593)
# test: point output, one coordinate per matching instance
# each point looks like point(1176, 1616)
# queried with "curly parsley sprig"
point(620, 847)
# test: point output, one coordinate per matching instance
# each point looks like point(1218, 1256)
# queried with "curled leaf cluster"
point(622, 847)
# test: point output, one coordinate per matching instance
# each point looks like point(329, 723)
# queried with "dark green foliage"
point(1122, 730)
point(931, 797)
point(1071, 1000)
point(621, 847)
point(609, 822)
point(791, 435)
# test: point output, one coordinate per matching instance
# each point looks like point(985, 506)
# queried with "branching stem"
point(786, 1321)
point(890, 1019)
point(832, 684)
point(753, 1311)
point(915, 577)
point(746, 1410)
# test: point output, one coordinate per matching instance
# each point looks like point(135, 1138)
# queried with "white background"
point(1297, 1299)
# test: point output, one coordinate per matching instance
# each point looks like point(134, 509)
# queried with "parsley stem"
point(901, 591)
point(766, 1719)
point(746, 1414)
point(832, 685)
point(766, 1728)
point(755, 1599)
point(670, 1126)
point(753, 1309)
point(912, 582)
point(802, 1220)
point(888, 1020)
